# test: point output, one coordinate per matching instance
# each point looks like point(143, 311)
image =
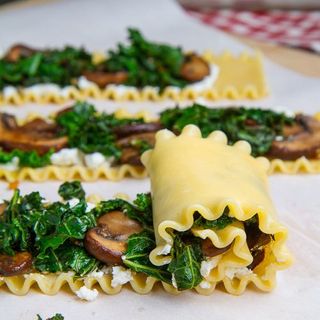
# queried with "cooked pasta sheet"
point(203, 188)
point(237, 77)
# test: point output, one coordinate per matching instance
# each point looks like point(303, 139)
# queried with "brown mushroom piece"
point(36, 135)
point(108, 241)
point(130, 153)
point(209, 250)
point(194, 68)
point(129, 141)
point(301, 139)
point(131, 156)
point(258, 257)
point(18, 264)
point(102, 78)
point(8, 120)
point(130, 129)
point(18, 51)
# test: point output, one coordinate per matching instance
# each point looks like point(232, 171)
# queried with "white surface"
point(99, 25)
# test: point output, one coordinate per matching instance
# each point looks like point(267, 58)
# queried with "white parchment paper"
point(100, 24)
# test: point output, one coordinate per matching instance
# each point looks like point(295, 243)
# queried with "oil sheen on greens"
point(91, 131)
point(53, 233)
point(61, 67)
point(147, 63)
point(257, 126)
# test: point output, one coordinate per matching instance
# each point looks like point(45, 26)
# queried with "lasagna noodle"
point(191, 174)
point(301, 165)
point(240, 77)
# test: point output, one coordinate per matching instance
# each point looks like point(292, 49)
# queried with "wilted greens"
point(257, 126)
point(26, 158)
point(60, 67)
point(54, 232)
point(91, 131)
point(147, 63)
point(57, 316)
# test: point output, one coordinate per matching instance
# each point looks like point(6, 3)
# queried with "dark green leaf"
point(257, 126)
point(137, 256)
point(69, 190)
point(26, 158)
point(147, 63)
point(186, 261)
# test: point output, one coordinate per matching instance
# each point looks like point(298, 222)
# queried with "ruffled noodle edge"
point(278, 256)
point(51, 284)
point(252, 90)
point(301, 165)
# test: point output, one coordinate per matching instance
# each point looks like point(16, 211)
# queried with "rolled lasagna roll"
point(211, 202)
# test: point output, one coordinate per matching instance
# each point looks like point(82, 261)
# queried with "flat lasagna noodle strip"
point(190, 174)
point(75, 172)
point(51, 284)
point(240, 77)
point(301, 165)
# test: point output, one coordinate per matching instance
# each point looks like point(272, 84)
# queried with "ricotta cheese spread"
point(237, 272)
point(84, 83)
point(85, 293)
point(120, 276)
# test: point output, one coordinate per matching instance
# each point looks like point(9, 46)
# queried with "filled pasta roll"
point(213, 217)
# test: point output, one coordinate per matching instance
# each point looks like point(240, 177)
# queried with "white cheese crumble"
point(208, 265)
point(237, 272)
point(174, 282)
point(90, 206)
point(1, 201)
point(205, 284)
point(120, 276)
point(13, 165)
point(96, 274)
point(85, 293)
point(73, 202)
point(66, 157)
point(278, 138)
point(94, 160)
point(42, 89)
point(84, 83)
point(165, 250)
point(204, 84)
point(9, 91)
point(106, 270)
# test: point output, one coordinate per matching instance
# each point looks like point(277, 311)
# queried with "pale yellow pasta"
point(240, 77)
point(301, 165)
point(190, 174)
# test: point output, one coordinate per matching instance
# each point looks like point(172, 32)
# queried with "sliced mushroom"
point(15, 265)
point(258, 257)
point(131, 129)
point(40, 126)
point(257, 240)
point(194, 68)
point(36, 135)
point(106, 250)
point(17, 52)
point(129, 141)
point(130, 156)
point(102, 78)
point(209, 250)
point(8, 120)
point(108, 241)
point(301, 139)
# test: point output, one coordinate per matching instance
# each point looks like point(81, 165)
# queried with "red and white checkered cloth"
point(292, 28)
